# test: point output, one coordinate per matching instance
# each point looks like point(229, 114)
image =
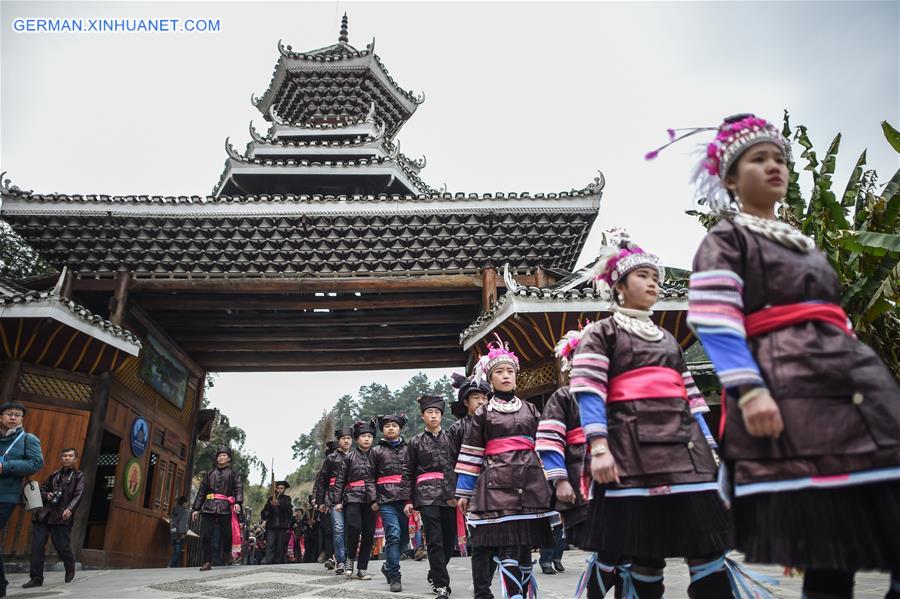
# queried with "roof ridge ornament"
point(275, 118)
point(419, 98)
point(57, 289)
point(344, 37)
point(255, 134)
point(597, 184)
point(508, 279)
point(232, 153)
point(7, 186)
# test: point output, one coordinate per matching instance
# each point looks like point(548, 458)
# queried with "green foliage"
point(18, 260)
point(858, 231)
point(373, 400)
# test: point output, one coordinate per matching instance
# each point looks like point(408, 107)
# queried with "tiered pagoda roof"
point(334, 113)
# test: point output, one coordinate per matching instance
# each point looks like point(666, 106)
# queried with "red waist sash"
point(222, 497)
point(649, 382)
point(504, 444)
point(391, 479)
point(575, 437)
point(779, 317)
point(357, 483)
point(429, 476)
point(332, 481)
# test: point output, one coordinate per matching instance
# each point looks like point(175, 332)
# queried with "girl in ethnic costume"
point(496, 466)
point(357, 478)
point(651, 451)
point(561, 445)
point(811, 417)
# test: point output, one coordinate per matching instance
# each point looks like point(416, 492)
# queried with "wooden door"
point(57, 428)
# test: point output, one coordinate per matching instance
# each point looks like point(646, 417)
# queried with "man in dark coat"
point(389, 458)
point(221, 494)
point(61, 493)
point(278, 514)
point(429, 477)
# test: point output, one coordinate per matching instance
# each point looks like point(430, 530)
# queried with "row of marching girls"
point(810, 434)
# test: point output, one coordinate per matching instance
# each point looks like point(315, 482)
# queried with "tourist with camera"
point(61, 493)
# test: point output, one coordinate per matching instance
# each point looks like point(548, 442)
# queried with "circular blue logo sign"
point(140, 436)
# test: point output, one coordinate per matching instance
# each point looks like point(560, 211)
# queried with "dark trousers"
point(177, 547)
point(6, 510)
point(208, 525)
point(359, 523)
point(555, 553)
point(483, 569)
point(327, 532)
point(60, 534)
point(276, 545)
point(439, 525)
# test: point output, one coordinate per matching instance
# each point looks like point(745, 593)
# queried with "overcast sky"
point(519, 97)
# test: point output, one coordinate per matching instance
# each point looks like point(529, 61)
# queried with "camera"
point(55, 498)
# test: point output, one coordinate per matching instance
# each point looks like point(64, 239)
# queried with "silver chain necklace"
point(637, 322)
point(507, 407)
point(776, 230)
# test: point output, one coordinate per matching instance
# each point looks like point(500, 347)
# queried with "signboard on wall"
point(140, 436)
point(133, 479)
point(163, 372)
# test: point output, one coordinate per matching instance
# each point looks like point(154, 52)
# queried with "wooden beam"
point(488, 288)
point(333, 360)
point(408, 284)
point(9, 381)
point(320, 345)
point(314, 335)
point(194, 302)
point(194, 322)
point(119, 299)
point(540, 277)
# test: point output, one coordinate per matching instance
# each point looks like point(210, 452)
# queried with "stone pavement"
point(313, 581)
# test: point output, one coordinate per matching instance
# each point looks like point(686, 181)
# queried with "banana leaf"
point(892, 135)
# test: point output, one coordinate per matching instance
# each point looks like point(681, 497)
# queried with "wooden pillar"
point(90, 453)
point(488, 288)
point(9, 381)
point(540, 277)
point(192, 442)
point(119, 299)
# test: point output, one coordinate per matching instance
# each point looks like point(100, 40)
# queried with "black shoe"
point(559, 567)
point(547, 569)
point(434, 589)
point(384, 572)
point(443, 593)
point(34, 582)
point(2, 591)
point(396, 587)
point(70, 575)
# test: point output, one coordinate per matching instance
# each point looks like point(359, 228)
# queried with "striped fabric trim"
point(556, 473)
point(662, 490)
point(470, 460)
point(819, 482)
point(589, 374)
point(741, 376)
point(716, 300)
point(474, 520)
point(695, 399)
point(551, 435)
point(596, 429)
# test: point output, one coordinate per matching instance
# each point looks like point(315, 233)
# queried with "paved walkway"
point(312, 580)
